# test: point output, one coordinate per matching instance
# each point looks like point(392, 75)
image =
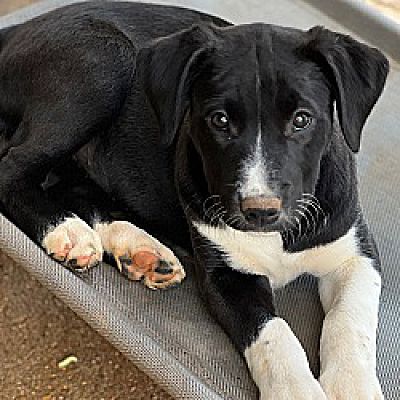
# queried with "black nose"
point(260, 217)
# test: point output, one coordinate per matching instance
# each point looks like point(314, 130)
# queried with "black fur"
point(105, 110)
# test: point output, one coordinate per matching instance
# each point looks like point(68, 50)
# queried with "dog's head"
point(260, 102)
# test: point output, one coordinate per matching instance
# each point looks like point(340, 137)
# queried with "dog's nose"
point(260, 210)
point(259, 217)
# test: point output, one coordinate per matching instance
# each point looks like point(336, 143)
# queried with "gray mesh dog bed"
point(169, 334)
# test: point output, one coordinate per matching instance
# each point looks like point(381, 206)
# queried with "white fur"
point(349, 290)
point(279, 365)
point(263, 253)
point(122, 238)
point(254, 174)
point(78, 236)
point(350, 297)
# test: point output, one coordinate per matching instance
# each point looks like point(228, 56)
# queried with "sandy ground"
point(37, 332)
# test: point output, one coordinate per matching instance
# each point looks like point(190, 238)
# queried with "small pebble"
point(67, 361)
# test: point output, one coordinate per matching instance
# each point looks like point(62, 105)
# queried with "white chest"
point(263, 253)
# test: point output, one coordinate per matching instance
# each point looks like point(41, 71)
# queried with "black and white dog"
point(235, 142)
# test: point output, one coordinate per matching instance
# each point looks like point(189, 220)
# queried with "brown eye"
point(220, 121)
point(301, 120)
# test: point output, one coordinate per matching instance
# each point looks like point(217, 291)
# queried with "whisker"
point(208, 213)
point(299, 226)
point(194, 198)
point(289, 226)
point(234, 218)
point(208, 199)
point(314, 202)
point(314, 222)
point(305, 217)
point(218, 214)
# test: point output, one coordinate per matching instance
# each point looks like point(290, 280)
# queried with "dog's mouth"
point(268, 222)
point(257, 214)
point(268, 214)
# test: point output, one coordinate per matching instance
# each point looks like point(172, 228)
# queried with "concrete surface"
point(390, 8)
point(7, 6)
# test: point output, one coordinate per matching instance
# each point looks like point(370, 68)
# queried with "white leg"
point(350, 297)
point(279, 365)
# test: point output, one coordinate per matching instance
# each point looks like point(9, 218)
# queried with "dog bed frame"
point(169, 334)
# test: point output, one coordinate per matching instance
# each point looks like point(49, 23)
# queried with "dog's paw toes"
point(81, 263)
point(146, 264)
point(60, 250)
point(74, 244)
point(165, 273)
point(139, 256)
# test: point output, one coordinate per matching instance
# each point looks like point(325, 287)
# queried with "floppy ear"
point(357, 74)
point(169, 66)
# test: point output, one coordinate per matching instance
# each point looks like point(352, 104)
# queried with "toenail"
point(163, 268)
point(125, 260)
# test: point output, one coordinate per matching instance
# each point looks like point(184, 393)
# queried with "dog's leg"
point(350, 297)
point(137, 254)
point(243, 305)
point(49, 139)
point(63, 235)
point(58, 98)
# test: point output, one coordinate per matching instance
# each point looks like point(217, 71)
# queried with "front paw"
point(74, 243)
point(353, 383)
point(306, 388)
point(140, 256)
point(279, 365)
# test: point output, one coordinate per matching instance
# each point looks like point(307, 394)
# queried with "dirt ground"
point(37, 332)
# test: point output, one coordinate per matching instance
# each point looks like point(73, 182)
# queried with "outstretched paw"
point(140, 256)
point(351, 384)
point(74, 243)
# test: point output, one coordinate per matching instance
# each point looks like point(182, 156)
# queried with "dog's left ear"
point(357, 74)
point(168, 67)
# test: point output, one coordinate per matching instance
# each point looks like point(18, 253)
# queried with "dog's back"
point(93, 47)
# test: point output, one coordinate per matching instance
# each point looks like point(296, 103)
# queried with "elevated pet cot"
point(169, 334)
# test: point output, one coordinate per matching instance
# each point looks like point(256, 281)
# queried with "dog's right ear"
point(169, 66)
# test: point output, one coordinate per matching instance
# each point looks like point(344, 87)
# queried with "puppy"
point(236, 142)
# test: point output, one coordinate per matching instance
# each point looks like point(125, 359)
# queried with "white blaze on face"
point(254, 180)
point(254, 175)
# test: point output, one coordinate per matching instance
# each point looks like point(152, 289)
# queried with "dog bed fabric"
point(169, 334)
